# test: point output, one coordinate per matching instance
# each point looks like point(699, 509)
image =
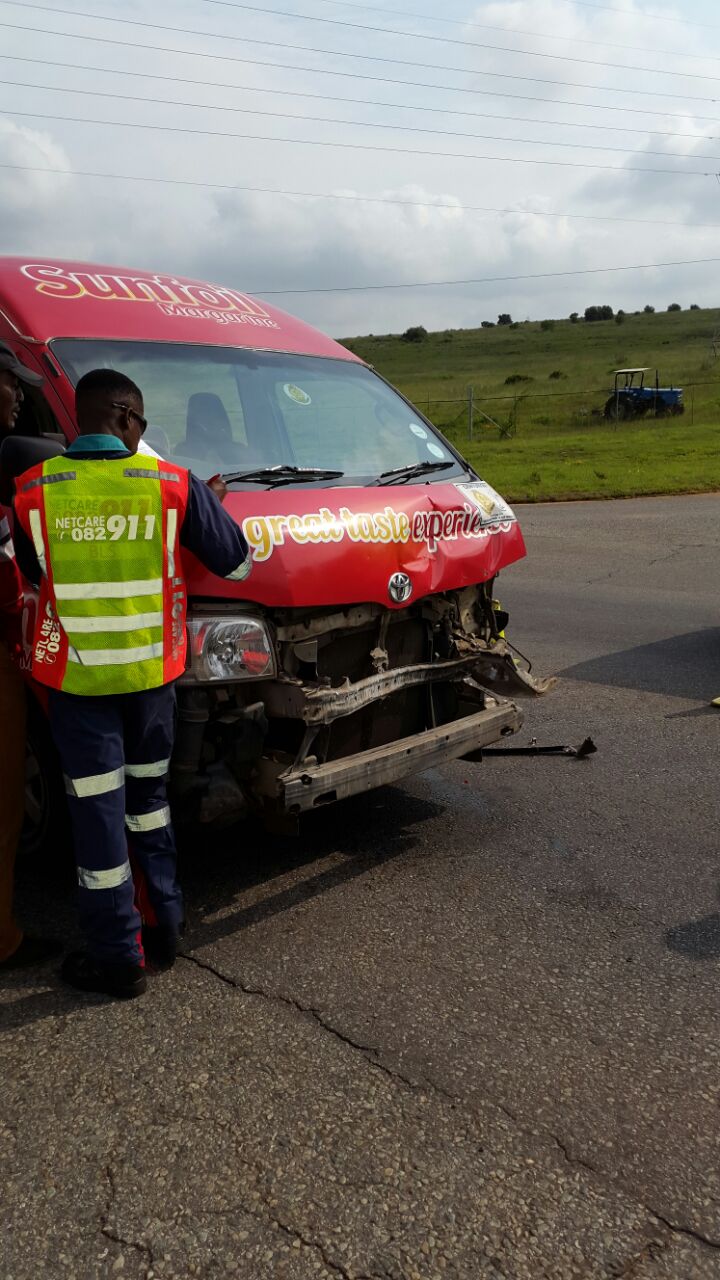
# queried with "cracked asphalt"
point(466, 1028)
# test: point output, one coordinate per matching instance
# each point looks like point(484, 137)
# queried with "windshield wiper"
point(283, 473)
point(400, 475)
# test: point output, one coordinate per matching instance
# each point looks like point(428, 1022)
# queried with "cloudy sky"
point(544, 108)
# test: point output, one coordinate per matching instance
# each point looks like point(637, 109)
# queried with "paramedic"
point(104, 530)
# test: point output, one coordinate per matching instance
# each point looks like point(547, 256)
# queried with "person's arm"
point(213, 536)
point(11, 598)
point(10, 587)
point(27, 560)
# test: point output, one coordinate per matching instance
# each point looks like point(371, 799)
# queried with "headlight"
point(229, 649)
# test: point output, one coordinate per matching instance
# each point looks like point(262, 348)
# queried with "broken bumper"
point(312, 786)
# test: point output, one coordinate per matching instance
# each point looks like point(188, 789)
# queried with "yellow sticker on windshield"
point(296, 394)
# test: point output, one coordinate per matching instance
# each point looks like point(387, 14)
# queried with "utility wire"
point(654, 17)
point(359, 146)
point(438, 284)
point(358, 199)
point(327, 97)
point(364, 57)
point(355, 75)
point(381, 200)
point(515, 31)
point(359, 26)
point(415, 35)
point(359, 124)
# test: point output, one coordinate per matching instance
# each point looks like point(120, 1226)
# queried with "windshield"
point(220, 409)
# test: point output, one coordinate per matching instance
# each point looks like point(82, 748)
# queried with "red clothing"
point(10, 585)
point(12, 744)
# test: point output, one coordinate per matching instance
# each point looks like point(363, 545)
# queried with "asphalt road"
point(466, 1028)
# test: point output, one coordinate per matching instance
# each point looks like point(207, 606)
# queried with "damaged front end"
point(322, 704)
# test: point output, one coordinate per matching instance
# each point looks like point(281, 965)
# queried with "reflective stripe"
point(53, 479)
point(107, 590)
point(127, 622)
point(242, 571)
point(116, 657)
point(110, 879)
point(157, 769)
point(148, 821)
point(95, 784)
point(171, 539)
point(4, 528)
point(38, 540)
point(136, 473)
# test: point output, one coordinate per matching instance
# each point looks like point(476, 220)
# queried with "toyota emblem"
point(400, 588)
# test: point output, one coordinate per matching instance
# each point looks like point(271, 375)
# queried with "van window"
point(228, 409)
point(36, 418)
point(190, 404)
point(340, 423)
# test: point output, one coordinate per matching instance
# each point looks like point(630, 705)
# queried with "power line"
point(326, 97)
point(365, 57)
point(359, 199)
point(382, 80)
point(414, 35)
point(353, 75)
point(359, 26)
point(357, 124)
point(358, 146)
point(456, 22)
point(655, 17)
point(442, 284)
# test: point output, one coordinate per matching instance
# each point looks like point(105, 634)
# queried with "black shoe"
point(122, 980)
point(160, 944)
point(32, 951)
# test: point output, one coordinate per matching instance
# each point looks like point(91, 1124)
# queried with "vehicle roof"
point(50, 298)
point(644, 369)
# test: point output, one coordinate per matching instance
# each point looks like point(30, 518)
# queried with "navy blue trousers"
point(115, 754)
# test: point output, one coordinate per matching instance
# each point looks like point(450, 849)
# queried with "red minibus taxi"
point(365, 644)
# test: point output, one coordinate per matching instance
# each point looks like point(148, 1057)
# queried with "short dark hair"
point(106, 383)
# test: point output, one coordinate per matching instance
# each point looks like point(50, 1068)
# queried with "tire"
point(47, 823)
point(617, 412)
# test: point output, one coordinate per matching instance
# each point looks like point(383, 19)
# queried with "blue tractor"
point(631, 398)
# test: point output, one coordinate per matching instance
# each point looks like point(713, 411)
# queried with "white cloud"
point(253, 240)
point(24, 191)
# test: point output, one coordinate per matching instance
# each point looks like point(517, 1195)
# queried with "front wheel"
point(47, 822)
point(617, 410)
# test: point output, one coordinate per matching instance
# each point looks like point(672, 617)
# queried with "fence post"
point(471, 396)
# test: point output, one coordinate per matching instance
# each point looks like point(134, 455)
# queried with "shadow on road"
point(697, 939)
point(686, 666)
point(365, 832)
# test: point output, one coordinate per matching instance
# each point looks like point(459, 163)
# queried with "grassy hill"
point(547, 438)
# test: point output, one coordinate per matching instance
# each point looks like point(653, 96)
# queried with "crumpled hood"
point(323, 547)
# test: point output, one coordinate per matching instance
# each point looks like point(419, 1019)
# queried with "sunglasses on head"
point(118, 404)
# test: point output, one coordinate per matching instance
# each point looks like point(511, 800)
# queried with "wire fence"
point(505, 415)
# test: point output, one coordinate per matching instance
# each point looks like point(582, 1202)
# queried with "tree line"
point(418, 332)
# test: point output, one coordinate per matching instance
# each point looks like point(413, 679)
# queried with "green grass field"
point(561, 446)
